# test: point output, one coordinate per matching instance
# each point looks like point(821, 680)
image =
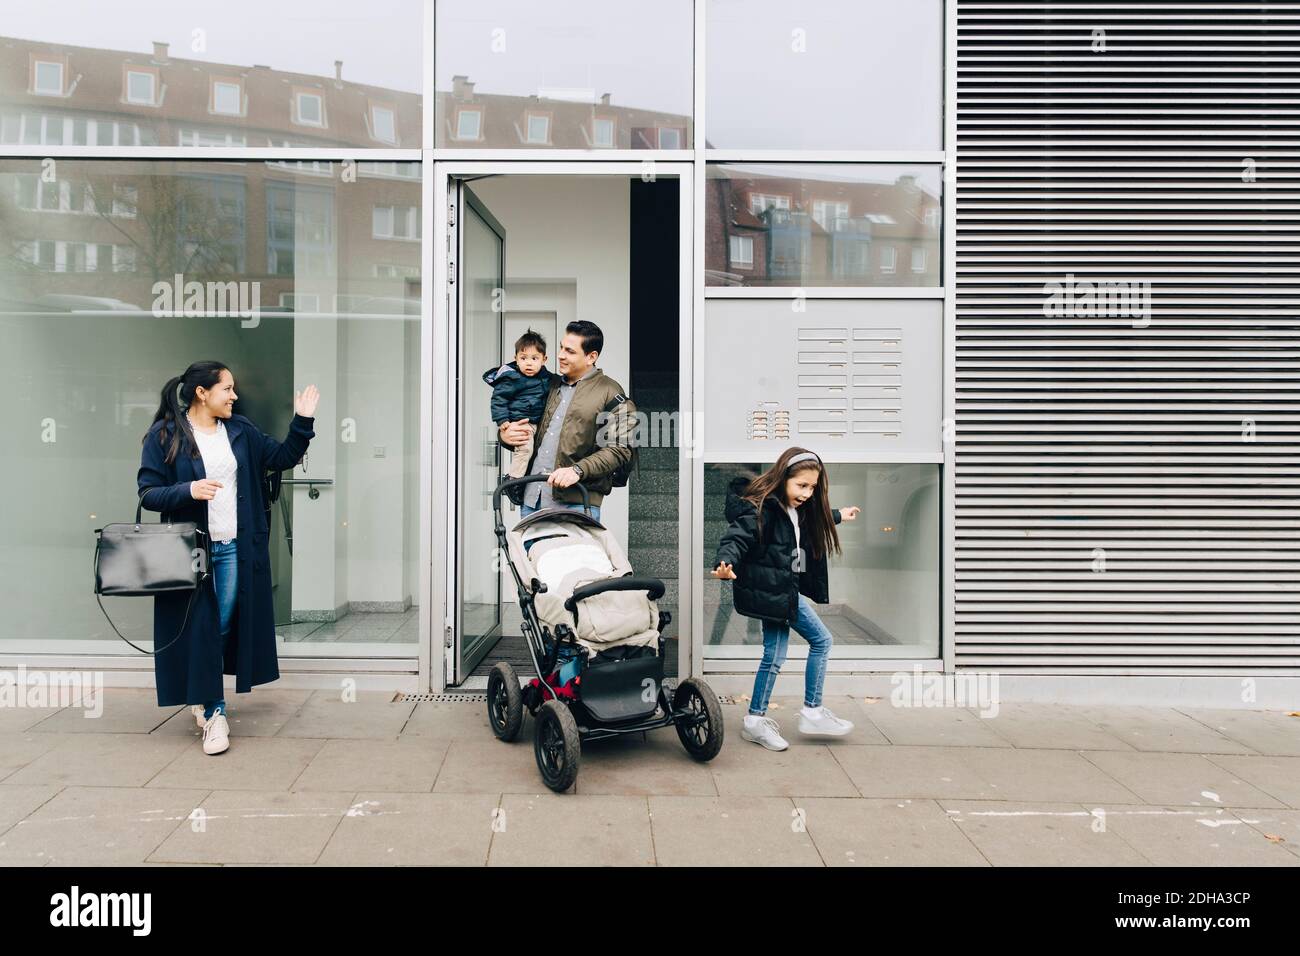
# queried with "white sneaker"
point(197, 711)
point(821, 722)
point(216, 734)
point(763, 730)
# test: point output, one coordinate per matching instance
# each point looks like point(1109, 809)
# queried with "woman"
point(203, 463)
point(782, 528)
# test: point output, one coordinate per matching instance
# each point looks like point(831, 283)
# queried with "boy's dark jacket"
point(516, 395)
point(767, 585)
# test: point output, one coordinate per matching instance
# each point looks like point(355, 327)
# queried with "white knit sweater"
point(219, 464)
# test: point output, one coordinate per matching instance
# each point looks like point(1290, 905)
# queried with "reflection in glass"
point(825, 74)
point(577, 75)
point(280, 275)
point(81, 73)
point(884, 588)
point(822, 225)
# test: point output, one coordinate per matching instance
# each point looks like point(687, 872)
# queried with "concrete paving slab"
point(371, 715)
point(1161, 729)
point(413, 829)
point(1040, 834)
point(1194, 836)
point(1279, 777)
point(256, 826)
point(859, 832)
point(730, 831)
point(101, 760)
point(543, 830)
point(121, 710)
point(251, 763)
point(98, 826)
point(1188, 780)
point(401, 764)
point(1263, 731)
point(1051, 727)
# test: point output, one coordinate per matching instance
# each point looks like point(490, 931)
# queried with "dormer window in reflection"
point(670, 137)
point(469, 124)
point(383, 124)
point(309, 108)
point(759, 203)
point(48, 77)
point(918, 259)
point(831, 215)
point(602, 131)
point(141, 86)
point(537, 128)
point(227, 97)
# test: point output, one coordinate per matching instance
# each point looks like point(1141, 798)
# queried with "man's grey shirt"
point(538, 494)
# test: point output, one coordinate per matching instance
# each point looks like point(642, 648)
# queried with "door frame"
point(438, 389)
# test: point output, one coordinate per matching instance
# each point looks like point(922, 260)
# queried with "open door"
point(477, 268)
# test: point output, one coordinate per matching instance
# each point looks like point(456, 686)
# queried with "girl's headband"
point(805, 456)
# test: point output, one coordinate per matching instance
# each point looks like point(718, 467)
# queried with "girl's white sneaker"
point(764, 731)
point(821, 722)
point(216, 734)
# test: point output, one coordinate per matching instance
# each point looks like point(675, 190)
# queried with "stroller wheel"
point(505, 703)
point(557, 746)
point(700, 725)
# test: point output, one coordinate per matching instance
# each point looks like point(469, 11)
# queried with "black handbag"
point(133, 559)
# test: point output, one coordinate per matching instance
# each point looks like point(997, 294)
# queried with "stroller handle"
point(625, 583)
point(528, 479)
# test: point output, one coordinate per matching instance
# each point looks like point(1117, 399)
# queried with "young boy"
point(519, 390)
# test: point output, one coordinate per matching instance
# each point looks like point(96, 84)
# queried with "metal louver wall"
point(1128, 487)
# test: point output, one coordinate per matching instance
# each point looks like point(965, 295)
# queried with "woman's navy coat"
point(189, 672)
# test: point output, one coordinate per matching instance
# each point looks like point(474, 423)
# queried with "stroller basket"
point(623, 690)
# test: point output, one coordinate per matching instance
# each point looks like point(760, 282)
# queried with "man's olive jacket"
point(596, 443)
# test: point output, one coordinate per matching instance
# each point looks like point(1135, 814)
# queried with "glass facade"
point(134, 167)
point(281, 275)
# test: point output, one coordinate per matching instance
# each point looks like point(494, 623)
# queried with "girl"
point(203, 463)
point(782, 529)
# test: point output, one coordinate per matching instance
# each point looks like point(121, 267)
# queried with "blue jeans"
point(776, 640)
point(526, 510)
point(224, 561)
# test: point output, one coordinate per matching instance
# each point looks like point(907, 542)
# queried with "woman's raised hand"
point(205, 489)
point(724, 572)
point(849, 513)
point(304, 402)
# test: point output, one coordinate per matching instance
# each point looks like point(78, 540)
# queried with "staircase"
point(653, 495)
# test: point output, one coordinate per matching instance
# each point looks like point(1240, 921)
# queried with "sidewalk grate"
point(401, 698)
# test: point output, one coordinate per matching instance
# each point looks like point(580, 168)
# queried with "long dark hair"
point(176, 397)
point(816, 523)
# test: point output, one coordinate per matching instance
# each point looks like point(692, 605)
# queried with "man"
point(571, 421)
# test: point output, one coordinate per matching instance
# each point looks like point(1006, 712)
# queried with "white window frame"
point(478, 129)
point(672, 131)
point(597, 122)
point(888, 260)
point(216, 109)
point(36, 78)
point(919, 257)
point(528, 128)
point(153, 87)
point(392, 122)
point(298, 98)
point(741, 242)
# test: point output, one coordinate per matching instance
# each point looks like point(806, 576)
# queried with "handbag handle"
point(189, 606)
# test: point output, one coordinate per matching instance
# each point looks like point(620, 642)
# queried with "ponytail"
point(174, 400)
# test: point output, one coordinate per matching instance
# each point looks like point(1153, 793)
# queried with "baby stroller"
point(594, 634)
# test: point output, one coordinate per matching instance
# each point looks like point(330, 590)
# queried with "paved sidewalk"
point(310, 779)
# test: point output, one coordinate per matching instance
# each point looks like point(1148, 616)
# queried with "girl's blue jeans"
point(776, 641)
point(224, 561)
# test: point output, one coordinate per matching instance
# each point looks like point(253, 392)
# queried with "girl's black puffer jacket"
point(767, 585)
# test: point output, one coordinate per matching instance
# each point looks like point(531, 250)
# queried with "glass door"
point(478, 244)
